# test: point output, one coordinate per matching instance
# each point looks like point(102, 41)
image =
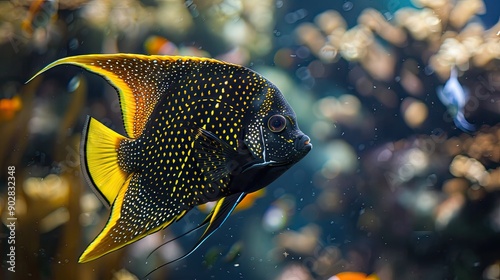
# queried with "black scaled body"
point(198, 130)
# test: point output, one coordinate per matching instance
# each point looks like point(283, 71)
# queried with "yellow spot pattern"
point(175, 176)
point(185, 118)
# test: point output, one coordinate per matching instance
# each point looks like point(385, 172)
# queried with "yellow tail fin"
point(99, 159)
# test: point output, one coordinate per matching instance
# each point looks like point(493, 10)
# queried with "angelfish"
point(454, 97)
point(197, 130)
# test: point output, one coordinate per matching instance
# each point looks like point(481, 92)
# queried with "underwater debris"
point(455, 97)
point(303, 241)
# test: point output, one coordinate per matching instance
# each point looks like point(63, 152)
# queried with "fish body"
point(198, 130)
point(454, 97)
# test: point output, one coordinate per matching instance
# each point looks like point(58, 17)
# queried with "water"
point(391, 186)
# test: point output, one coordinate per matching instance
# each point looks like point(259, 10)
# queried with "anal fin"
point(129, 221)
point(219, 214)
point(215, 219)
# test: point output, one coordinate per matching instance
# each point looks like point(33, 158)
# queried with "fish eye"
point(276, 123)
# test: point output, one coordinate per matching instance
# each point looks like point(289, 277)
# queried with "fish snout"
point(303, 143)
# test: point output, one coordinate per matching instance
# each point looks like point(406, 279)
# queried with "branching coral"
point(435, 24)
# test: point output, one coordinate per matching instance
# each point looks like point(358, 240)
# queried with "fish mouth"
point(307, 146)
point(303, 143)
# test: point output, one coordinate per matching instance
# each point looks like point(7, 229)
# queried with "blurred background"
point(392, 188)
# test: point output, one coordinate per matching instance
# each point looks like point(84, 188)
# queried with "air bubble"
point(347, 6)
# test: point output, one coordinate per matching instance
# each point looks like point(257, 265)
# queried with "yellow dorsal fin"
point(139, 79)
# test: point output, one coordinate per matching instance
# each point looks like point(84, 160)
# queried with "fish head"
point(273, 134)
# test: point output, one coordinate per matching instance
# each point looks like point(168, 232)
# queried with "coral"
point(430, 24)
